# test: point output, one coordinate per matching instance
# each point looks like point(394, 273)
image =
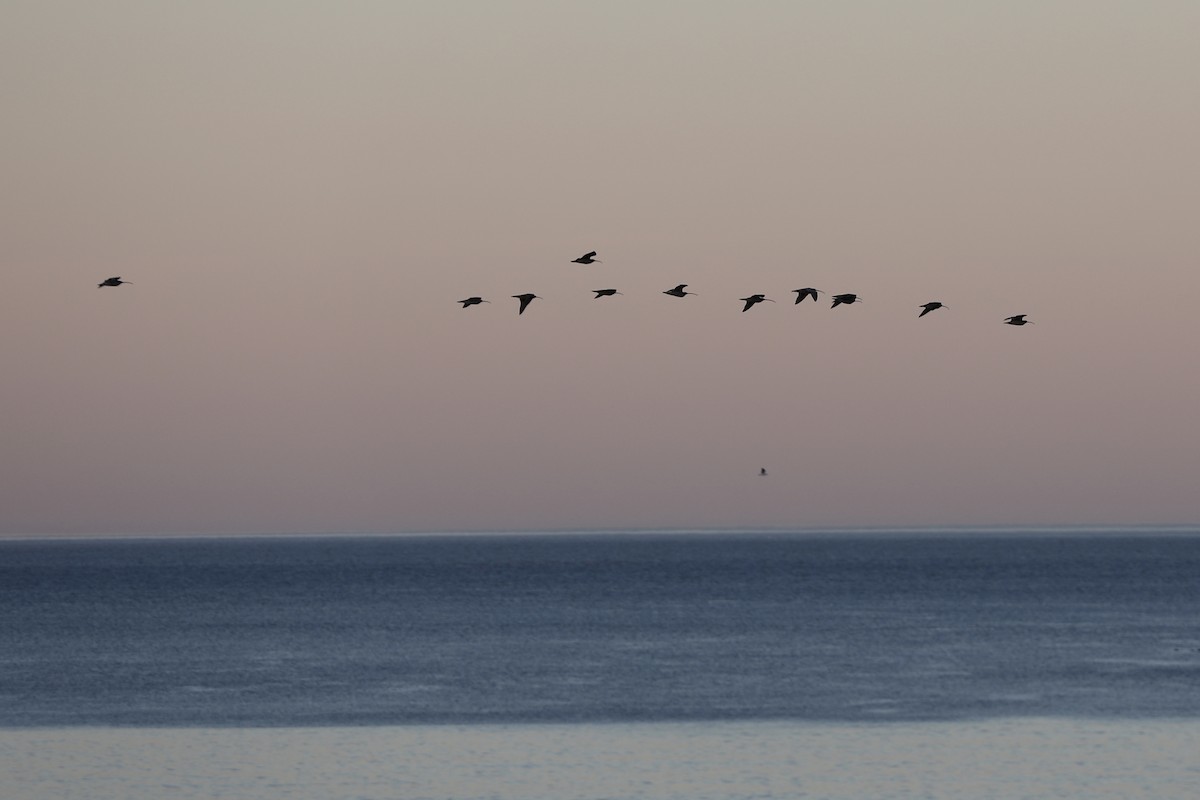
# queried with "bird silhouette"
point(934, 306)
point(1018, 320)
point(587, 258)
point(111, 282)
point(604, 293)
point(803, 293)
point(525, 299)
point(473, 301)
point(838, 299)
point(754, 300)
point(762, 471)
point(678, 291)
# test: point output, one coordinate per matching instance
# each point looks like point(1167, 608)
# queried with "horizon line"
point(1097, 528)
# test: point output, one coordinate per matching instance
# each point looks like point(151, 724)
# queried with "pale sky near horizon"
point(300, 192)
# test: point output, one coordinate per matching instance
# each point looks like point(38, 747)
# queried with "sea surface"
point(585, 665)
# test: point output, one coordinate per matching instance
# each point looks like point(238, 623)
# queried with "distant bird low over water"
point(839, 299)
point(525, 299)
point(111, 282)
point(473, 301)
point(803, 293)
point(587, 258)
point(1018, 320)
point(934, 306)
point(678, 291)
point(754, 300)
point(604, 293)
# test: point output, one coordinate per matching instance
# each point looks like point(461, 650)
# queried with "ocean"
point(742, 664)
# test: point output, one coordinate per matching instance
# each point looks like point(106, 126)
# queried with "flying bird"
point(754, 300)
point(587, 258)
point(934, 306)
point(604, 293)
point(525, 299)
point(838, 299)
point(473, 301)
point(809, 292)
point(111, 282)
point(1018, 320)
point(762, 471)
point(678, 291)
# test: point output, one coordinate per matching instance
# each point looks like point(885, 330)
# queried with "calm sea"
point(404, 630)
point(618, 666)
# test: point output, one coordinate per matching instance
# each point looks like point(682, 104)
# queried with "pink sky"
point(300, 193)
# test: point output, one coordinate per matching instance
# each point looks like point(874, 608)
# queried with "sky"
point(300, 192)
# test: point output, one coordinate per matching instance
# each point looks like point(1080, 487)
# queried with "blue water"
point(598, 628)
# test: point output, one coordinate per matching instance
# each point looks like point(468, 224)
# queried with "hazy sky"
point(300, 191)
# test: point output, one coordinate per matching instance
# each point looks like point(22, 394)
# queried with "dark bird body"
point(934, 306)
point(525, 299)
point(473, 301)
point(678, 291)
point(604, 293)
point(839, 299)
point(1018, 320)
point(586, 258)
point(803, 293)
point(111, 282)
point(754, 300)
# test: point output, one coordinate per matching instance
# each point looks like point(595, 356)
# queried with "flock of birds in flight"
point(750, 302)
point(681, 291)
